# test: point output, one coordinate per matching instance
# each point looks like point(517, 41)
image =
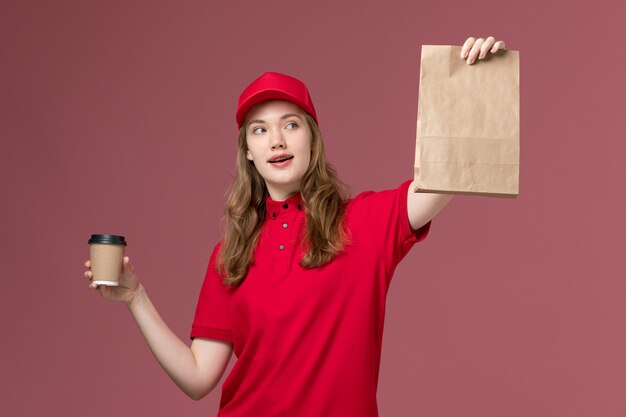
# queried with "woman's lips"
point(280, 160)
point(282, 163)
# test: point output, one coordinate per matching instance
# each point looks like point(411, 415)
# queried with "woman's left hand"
point(479, 48)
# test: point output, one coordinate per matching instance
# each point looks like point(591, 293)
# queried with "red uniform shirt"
point(308, 341)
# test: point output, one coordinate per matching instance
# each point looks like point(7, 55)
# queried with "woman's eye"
point(257, 130)
point(292, 125)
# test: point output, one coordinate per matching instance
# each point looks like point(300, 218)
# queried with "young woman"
point(297, 286)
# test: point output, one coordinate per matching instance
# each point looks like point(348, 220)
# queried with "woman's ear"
point(248, 155)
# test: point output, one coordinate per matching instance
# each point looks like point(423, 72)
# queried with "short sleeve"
point(386, 218)
point(212, 319)
point(407, 236)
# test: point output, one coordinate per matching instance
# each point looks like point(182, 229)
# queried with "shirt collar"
point(273, 208)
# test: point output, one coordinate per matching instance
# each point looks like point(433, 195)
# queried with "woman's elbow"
point(197, 392)
point(197, 395)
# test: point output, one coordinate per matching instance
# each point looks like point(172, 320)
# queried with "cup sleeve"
point(211, 319)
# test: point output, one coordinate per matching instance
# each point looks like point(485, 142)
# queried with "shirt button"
point(284, 225)
point(285, 205)
point(281, 247)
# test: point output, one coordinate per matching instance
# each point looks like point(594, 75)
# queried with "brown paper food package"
point(468, 123)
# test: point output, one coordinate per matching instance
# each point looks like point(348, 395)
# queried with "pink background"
point(118, 117)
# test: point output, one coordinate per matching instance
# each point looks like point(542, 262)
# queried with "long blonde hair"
point(323, 196)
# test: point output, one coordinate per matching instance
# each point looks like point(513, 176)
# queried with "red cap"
point(274, 86)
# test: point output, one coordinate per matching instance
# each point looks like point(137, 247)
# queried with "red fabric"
point(308, 342)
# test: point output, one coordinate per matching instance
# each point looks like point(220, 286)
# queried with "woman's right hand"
point(129, 286)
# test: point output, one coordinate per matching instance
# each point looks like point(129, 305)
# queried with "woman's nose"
point(277, 140)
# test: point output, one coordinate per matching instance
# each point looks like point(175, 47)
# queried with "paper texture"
point(468, 123)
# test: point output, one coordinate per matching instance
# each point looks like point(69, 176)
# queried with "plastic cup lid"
point(108, 239)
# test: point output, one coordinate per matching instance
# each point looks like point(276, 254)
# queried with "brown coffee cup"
point(106, 253)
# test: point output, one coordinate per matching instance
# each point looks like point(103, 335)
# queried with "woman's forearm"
point(174, 356)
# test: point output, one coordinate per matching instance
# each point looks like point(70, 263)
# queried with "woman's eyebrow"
point(285, 116)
